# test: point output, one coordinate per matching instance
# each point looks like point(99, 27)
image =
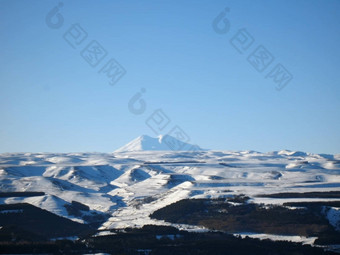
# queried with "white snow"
point(139, 179)
point(161, 143)
point(296, 239)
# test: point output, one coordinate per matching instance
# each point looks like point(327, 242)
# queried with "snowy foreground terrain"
point(130, 185)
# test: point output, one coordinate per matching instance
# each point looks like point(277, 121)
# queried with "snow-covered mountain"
point(129, 186)
point(161, 143)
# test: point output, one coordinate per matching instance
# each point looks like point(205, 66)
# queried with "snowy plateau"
point(145, 175)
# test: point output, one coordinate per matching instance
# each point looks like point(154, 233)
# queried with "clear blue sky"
point(52, 100)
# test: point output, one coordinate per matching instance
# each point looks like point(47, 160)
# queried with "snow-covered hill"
point(161, 143)
point(130, 186)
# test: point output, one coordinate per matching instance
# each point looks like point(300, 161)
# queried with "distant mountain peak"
point(162, 138)
point(160, 143)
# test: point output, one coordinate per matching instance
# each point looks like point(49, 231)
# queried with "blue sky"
point(53, 100)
